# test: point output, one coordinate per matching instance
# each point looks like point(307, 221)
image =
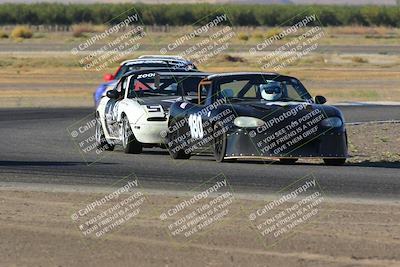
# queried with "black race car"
point(257, 115)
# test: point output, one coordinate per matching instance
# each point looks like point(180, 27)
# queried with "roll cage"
point(126, 81)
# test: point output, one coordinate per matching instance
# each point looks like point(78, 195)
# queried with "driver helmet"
point(271, 91)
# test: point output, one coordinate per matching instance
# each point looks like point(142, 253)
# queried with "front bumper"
point(330, 143)
point(150, 132)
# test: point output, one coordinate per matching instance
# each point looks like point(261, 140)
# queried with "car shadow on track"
point(11, 163)
point(368, 164)
point(146, 151)
point(377, 164)
point(156, 152)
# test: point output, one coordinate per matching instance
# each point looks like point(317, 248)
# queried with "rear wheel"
point(288, 161)
point(101, 141)
point(175, 153)
point(335, 162)
point(129, 142)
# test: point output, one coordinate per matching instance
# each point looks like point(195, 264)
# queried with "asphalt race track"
point(36, 148)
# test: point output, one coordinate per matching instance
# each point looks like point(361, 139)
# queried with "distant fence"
point(187, 14)
point(41, 28)
point(149, 28)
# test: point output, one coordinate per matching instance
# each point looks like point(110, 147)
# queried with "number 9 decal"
point(196, 126)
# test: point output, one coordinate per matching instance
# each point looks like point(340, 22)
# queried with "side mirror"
point(319, 99)
point(113, 94)
point(108, 77)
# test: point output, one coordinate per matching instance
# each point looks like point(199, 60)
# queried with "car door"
point(199, 115)
point(112, 110)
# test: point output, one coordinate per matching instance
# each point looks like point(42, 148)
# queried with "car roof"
point(185, 73)
point(233, 74)
point(155, 60)
point(161, 70)
point(163, 57)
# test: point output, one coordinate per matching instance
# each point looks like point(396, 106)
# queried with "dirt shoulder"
point(36, 229)
point(375, 143)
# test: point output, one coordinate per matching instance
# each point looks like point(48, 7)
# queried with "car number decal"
point(145, 75)
point(196, 126)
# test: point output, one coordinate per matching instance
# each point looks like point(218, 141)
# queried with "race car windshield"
point(162, 86)
point(282, 89)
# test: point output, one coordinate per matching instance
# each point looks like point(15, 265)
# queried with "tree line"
point(188, 14)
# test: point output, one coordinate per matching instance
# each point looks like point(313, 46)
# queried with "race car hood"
point(265, 109)
point(164, 101)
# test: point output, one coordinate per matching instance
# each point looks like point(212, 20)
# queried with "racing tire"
point(129, 142)
point(335, 162)
point(288, 161)
point(219, 144)
point(180, 154)
point(101, 141)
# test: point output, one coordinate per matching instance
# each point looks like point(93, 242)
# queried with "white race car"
point(134, 114)
point(146, 62)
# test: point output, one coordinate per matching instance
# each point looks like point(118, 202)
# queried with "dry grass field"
point(40, 84)
point(350, 66)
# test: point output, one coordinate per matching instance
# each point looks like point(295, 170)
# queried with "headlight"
point(332, 122)
point(248, 122)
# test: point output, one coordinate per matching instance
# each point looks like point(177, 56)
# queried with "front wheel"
point(101, 141)
point(335, 162)
point(173, 150)
point(129, 142)
point(220, 143)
